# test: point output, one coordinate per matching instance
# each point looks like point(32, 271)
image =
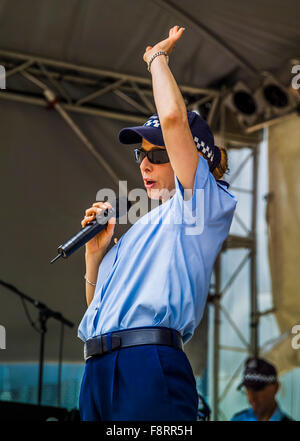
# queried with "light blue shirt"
point(159, 271)
point(249, 415)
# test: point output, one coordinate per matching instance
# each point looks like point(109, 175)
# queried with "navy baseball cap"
point(151, 131)
point(258, 373)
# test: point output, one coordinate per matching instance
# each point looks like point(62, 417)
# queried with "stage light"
point(244, 102)
point(241, 101)
point(274, 97)
point(271, 100)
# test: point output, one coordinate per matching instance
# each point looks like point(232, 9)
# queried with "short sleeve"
point(201, 176)
point(193, 205)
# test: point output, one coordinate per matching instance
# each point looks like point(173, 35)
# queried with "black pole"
point(43, 329)
point(60, 355)
point(44, 314)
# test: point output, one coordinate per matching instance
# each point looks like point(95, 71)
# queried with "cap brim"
point(255, 386)
point(134, 135)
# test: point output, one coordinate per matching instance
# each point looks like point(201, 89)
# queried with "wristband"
point(91, 283)
point(156, 55)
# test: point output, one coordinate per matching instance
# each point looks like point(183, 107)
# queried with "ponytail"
point(222, 168)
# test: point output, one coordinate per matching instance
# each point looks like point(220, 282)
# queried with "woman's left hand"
point(166, 45)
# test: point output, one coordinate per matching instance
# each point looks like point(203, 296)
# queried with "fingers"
point(176, 32)
point(102, 205)
point(90, 215)
point(112, 221)
point(111, 226)
point(180, 32)
point(86, 220)
point(148, 48)
point(173, 30)
point(93, 211)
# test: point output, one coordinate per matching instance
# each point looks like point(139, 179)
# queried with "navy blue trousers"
point(139, 383)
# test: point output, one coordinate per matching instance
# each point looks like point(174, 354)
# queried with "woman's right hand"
point(166, 45)
point(99, 243)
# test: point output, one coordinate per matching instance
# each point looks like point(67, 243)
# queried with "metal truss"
point(70, 88)
point(133, 91)
point(221, 289)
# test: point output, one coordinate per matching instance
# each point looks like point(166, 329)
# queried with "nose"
point(146, 165)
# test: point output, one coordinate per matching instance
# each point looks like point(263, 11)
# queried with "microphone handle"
point(92, 228)
point(85, 234)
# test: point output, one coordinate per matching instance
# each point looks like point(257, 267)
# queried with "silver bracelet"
point(91, 283)
point(156, 55)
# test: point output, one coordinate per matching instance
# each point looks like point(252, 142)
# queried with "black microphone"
point(121, 207)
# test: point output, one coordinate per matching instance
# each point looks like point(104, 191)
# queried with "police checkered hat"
point(258, 373)
point(151, 131)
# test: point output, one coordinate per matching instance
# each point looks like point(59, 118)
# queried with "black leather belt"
point(131, 337)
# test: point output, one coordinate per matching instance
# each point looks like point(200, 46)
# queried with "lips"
point(149, 183)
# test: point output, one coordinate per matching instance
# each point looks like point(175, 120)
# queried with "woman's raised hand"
point(166, 45)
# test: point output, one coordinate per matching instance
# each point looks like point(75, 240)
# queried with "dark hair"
point(222, 168)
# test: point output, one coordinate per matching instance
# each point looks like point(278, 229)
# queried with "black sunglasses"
point(155, 156)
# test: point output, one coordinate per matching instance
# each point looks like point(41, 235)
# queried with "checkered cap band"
point(152, 122)
point(260, 378)
point(207, 151)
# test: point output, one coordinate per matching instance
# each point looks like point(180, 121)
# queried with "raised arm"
point(172, 112)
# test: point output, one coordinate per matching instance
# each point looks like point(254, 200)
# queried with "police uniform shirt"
point(159, 271)
point(249, 415)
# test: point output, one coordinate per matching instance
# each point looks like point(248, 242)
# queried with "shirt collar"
point(223, 182)
point(277, 415)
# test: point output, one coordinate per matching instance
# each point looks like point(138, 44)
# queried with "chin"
point(154, 194)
